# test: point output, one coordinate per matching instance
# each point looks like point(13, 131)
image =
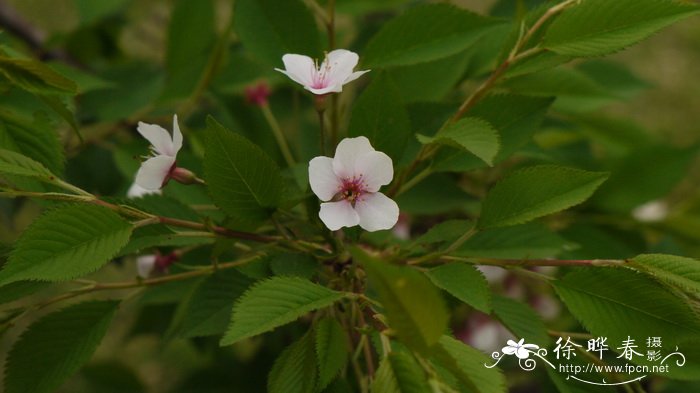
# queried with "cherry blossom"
point(335, 71)
point(146, 265)
point(160, 167)
point(349, 183)
point(136, 191)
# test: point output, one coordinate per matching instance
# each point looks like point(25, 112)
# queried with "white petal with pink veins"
point(158, 137)
point(154, 171)
point(376, 170)
point(324, 183)
point(377, 212)
point(338, 214)
point(339, 65)
point(347, 153)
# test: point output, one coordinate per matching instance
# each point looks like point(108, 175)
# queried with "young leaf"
point(617, 303)
point(380, 116)
point(601, 27)
point(35, 77)
point(471, 134)
point(66, 243)
point(242, 180)
point(275, 302)
point(520, 319)
point(537, 191)
point(425, 33)
point(12, 163)
point(463, 282)
point(331, 351)
point(679, 271)
point(467, 364)
point(271, 28)
point(209, 308)
point(400, 373)
point(35, 138)
point(413, 305)
point(56, 346)
point(295, 370)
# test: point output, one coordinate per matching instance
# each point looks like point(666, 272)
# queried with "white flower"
point(349, 184)
point(653, 211)
point(145, 264)
point(335, 71)
point(155, 171)
point(136, 191)
point(521, 350)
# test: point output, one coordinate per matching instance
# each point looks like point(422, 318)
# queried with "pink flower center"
point(319, 76)
point(352, 189)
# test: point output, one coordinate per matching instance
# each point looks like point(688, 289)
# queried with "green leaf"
point(35, 138)
point(536, 191)
point(515, 117)
point(679, 271)
point(380, 115)
point(288, 264)
point(468, 365)
point(601, 27)
point(20, 289)
point(617, 303)
point(526, 241)
point(424, 33)
point(56, 346)
point(399, 373)
point(272, 28)
point(191, 34)
point(470, 134)
point(209, 308)
point(12, 163)
point(445, 231)
point(294, 370)
point(520, 319)
point(242, 180)
point(464, 282)
point(331, 350)
point(35, 77)
point(275, 302)
point(66, 243)
point(413, 305)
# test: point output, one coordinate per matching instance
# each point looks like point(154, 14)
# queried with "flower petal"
point(338, 214)
point(328, 89)
point(177, 136)
point(324, 183)
point(298, 68)
point(136, 191)
point(158, 137)
point(340, 63)
point(377, 211)
point(354, 76)
point(346, 154)
point(145, 265)
point(154, 171)
point(376, 170)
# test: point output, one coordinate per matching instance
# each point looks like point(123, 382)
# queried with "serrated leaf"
point(20, 289)
point(536, 191)
point(152, 236)
point(275, 302)
point(272, 28)
point(617, 303)
point(675, 270)
point(379, 115)
point(515, 118)
point(520, 319)
point(467, 364)
point(471, 134)
point(56, 346)
point(445, 231)
point(413, 305)
point(526, 241)
point(424, 33)
point(66, 243)
point(601, 27)
point(463, 282)
point(34, 138)
point(399, 373)
point(209, 308)
point(242, 180)
point(13, 163)
point(289, 264)
point(294, 370)
point(35, 77)
point(331, 351)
